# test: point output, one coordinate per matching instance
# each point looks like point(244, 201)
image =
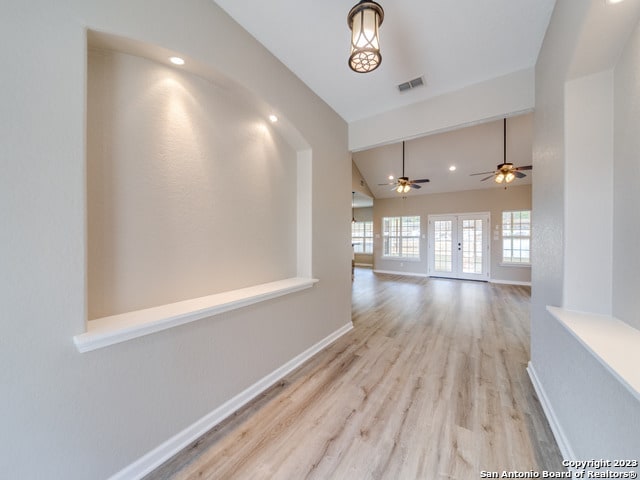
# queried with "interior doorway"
point(459, 246)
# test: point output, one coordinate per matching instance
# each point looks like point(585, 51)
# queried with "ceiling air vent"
point(416, 82)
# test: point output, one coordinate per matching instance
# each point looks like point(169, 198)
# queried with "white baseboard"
point(510, 282)
point(426, 275)
point(175, 444)
point(556, 428)
point(406, 274)
point(368, 265)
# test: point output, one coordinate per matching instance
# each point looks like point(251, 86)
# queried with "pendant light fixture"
point(353, 205)
point(364, 20)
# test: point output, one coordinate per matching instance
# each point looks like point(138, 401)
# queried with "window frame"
point(367, 234)
point(400, 237)
point(512, 236)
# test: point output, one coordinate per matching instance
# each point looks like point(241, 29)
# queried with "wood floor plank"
point(430, 384)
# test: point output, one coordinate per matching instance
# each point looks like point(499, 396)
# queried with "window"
point(516, 237)
point(401, 237)
point(362, 237)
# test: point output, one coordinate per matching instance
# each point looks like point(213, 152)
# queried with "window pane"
point(394, 247)
point(516, 236)
point(368, 245)
point(410, 248)
point(401, 236)
point(386, 225)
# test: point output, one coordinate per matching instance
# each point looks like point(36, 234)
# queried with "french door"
point(459, 246)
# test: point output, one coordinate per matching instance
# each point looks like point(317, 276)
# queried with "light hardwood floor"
point(430, 384)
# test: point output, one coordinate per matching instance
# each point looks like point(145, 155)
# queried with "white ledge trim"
point(614, 343)
point(106, 331)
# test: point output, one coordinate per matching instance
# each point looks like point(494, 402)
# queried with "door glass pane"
point(442, 245)
point(472, 246)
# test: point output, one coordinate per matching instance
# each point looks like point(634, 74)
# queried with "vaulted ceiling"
point(453, 45)
point(469, 150)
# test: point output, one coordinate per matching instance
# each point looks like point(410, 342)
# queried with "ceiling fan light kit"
point(364, 21)
point(404, 184)
point(505, 172)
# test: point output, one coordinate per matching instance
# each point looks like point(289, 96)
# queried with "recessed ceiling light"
point(452, 168)
point(612, 2)
point(273, 118)
point(176, 60)
point(390, 177)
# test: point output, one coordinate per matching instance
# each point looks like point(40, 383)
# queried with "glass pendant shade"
point(364, 20)
point(399, 189)
point(500, 178)
point(406, 188)
point(509, 177)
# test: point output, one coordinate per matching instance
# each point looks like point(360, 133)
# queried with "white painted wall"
point(186, 188)
point(66, 415)
point(363, 214)
point(358, 183)
point(626, 197)
point(493, 200)
point(490, 100)
point(588, 193)
point(598, 417)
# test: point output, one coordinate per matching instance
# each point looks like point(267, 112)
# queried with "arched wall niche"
point(191, 190)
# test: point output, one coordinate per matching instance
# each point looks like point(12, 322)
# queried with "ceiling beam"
point(490, 100)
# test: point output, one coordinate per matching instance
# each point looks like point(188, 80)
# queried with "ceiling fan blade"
point(421, 180)
point(414, 185)
point(390, 183)
point(519, 174)
point(526, 167)
point(481, 173)
point(487, 178)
